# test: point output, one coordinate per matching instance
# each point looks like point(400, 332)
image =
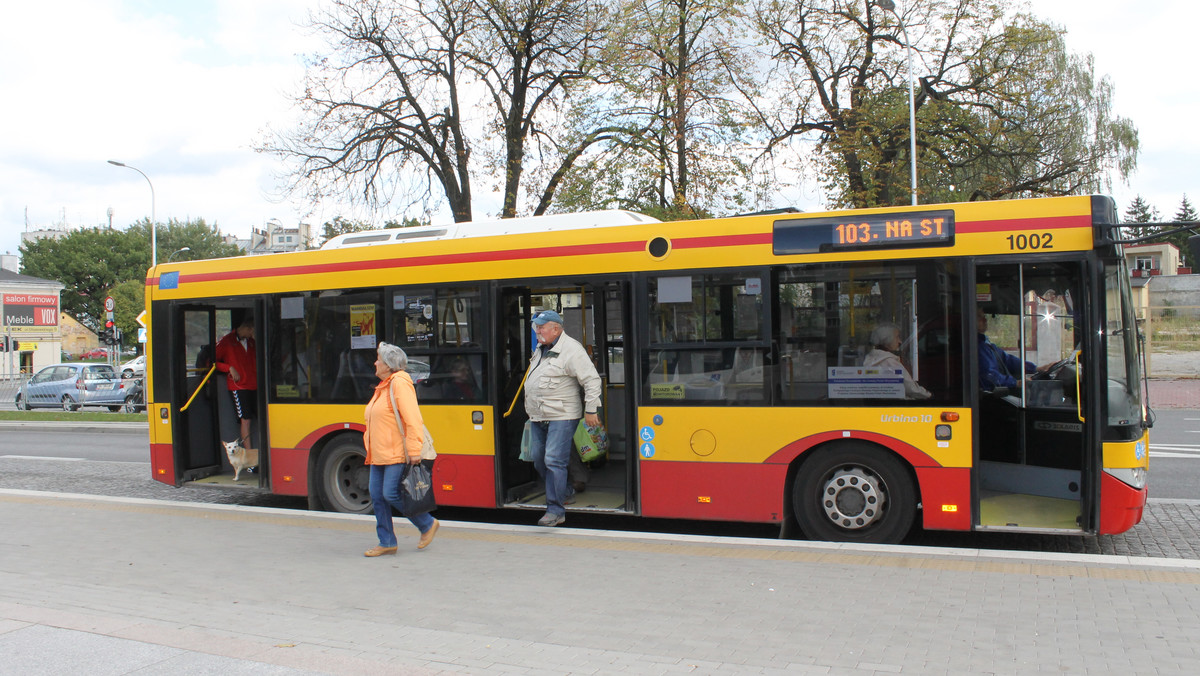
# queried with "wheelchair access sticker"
point(646, 433)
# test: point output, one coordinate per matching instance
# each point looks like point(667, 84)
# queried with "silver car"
point(134, 368)
point(72, 386)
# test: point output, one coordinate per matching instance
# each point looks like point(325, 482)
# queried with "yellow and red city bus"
point(821, 371)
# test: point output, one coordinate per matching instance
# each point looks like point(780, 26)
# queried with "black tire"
point(344, 478)
point(854, 492)
point(131, 404)
point(127, 373)
point(115, 409)
point(22, 404)
point(68, 404)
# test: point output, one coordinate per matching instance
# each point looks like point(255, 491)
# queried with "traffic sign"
point(109, 304)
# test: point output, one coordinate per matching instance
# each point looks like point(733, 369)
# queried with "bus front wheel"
point(344, 477)
point(854, 493)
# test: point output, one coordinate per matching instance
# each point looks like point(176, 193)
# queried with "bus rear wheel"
point(854, 493)
point(344, 477)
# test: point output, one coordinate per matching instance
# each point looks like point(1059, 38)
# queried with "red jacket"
point(231, 353)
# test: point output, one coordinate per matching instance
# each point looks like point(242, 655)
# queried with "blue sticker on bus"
point(169, 280)
point(658, 420)
point(1139, 450)
point(647, 433)
point(647, 450)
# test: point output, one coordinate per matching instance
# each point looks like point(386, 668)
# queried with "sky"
point(183, 90)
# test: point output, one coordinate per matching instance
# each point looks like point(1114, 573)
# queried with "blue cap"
point(547, 316)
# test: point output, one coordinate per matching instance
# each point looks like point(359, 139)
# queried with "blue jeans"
point(386, 494)
point(550, 445)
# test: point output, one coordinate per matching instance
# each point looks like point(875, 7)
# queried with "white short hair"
point(392, 356)
point(883, 333)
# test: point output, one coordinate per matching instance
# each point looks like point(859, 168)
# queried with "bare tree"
point(410, 90)
point(1002, 108)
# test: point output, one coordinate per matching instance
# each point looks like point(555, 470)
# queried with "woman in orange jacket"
point(391, 450)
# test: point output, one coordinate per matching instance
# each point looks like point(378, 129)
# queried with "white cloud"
point(182, 90)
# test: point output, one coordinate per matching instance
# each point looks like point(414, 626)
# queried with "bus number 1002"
point(1034, 241)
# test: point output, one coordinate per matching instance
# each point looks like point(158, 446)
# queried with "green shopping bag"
point(526, 455)
point(591, 443)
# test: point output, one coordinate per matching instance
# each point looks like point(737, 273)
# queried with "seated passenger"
point(886, 341)
point(998, 368)
point(462, 385)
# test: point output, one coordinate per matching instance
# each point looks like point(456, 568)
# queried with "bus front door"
point(595, 314)
point(1031, 453)
point(205, 417)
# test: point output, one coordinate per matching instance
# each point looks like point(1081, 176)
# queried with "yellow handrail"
point(1078, 399)
point(199, 387)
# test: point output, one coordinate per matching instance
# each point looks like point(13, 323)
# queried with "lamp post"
point(153, 225)
point(890, 6)
point(172, 256)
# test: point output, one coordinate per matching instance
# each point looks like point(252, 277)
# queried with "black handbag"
point(418, 491)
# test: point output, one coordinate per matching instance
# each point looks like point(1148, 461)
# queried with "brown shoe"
point(427, 536)
point(379, 551)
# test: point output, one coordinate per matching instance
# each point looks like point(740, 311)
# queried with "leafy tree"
point(681, 87)
point(202, 240)
point(92, 262)
point(1140, 211)
point(129, 298)
point(1185, 214)
point(1003, 110)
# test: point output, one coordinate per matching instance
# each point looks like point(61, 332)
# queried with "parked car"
point(95, 353)
point(135, 397)
point(134, 368)
point(73, 386)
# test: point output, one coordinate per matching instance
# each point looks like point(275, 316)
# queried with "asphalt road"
point(113, 462)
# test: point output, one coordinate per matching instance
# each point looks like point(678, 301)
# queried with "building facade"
point(29, 321)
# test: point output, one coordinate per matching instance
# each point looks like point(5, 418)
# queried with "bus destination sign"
point(870, 231)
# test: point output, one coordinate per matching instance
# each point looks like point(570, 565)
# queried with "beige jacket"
point(552, 388)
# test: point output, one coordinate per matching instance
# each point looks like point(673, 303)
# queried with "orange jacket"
point(383, 440)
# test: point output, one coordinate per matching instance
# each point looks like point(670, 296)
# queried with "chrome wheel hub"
point(853, 498)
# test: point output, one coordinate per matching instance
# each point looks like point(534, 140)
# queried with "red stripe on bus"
point(1014, 224)
point(418, 261)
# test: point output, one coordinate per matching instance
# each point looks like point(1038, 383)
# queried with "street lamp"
point(172, 256)
point(153, 225)
point(890, 6)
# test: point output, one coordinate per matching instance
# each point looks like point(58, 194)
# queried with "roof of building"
point(10, 277)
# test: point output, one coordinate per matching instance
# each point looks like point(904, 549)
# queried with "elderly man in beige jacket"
point(558, 369)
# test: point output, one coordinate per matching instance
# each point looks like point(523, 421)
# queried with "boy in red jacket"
point(236, 357)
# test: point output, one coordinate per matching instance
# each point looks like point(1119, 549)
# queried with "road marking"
point(40, 457)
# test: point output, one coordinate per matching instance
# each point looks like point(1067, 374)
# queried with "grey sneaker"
point(550, 519)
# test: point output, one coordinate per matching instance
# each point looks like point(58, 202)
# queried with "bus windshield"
point(1121, 346)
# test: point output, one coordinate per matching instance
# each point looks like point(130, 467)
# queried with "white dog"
point(240, 457)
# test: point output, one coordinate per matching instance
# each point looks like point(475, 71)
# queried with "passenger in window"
point(885, 354)
point(462, 385)
point(997, 368)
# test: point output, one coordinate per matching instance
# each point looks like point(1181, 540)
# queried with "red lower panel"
point(465, 480)
point(945, 497)
point(162, 463)
point(1121, 505)
point(713, 491)
point(289, 471)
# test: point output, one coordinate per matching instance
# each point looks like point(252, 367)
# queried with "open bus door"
point(204, 413)
point(597, 315)
point(1036, 448)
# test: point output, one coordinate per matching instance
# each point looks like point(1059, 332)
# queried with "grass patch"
point(73, 416)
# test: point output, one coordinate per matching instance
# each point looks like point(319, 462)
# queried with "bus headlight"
point(1134, 476)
